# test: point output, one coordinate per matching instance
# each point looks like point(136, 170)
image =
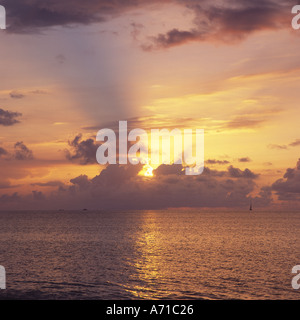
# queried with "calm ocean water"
point(149, 255)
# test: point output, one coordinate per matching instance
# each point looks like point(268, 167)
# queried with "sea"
point(149, 255)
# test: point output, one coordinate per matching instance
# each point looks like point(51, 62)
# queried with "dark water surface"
point(149, 255)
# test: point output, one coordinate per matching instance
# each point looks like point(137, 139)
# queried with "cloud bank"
point(120, 187)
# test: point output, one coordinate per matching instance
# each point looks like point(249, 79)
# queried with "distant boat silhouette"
point(84, 209)
point(250, 205)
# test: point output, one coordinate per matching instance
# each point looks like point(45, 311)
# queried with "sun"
point(147, 170)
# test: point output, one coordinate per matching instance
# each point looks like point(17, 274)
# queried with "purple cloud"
point(8, 118)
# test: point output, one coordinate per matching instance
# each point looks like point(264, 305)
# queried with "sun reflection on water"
point(150, 266)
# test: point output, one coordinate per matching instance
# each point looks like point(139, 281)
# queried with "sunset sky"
point(70, 68)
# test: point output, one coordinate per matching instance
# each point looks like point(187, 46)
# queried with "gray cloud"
point(34, 15)
point(244, 122)
point(226, 21)
point(223, 21)
point(82, 181)
point(16, 95)
point(116, 174)
point(277, 146)
point(214, 173)
point(38, 195)
point(54, 183)
point(3, 152)
point(83, 151)
point(288, 187)
point(21, 152)
point(214, 161)
point(136, 29)
point(168, 169)
point(120, 187)
point(39, 91)
point(264, 198)
point(60, 59)
point(238, 173)
point(8, 118)
point(13, 198)
point(244, 159)
point(268, 164)
point(172, 38)
point(295, 143)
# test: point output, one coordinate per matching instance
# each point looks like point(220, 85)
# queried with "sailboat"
point(250, 205)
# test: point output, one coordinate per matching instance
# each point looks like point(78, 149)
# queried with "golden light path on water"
point(150, 266)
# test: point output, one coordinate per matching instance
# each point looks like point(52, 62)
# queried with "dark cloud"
point(288, 187)
point(244, 122)
point(8, 118)
point(13, 198)
point(264, 198)
point(245, 159)
point(168, 169)
point(34, 15)
point(5, 184)
point(214, 161)
point(222, 21)
point(3, 152)
point(121, 187)
point(21, 152)
point(214, 173)
point(83, 151)
point(226, 21)
point(60, 59)
point(39, 91)
point(277, 146)
point(172, 38)
point(231, 172)
point(54, 183)
point(20, 95)
point(136, 29)
point(295, 143)
point(16, 95)
point(31, 16)
point(38, 195)
point(268, 164)
point(150, 122)
point(117, 174)
point(82, 181)
point(238, 173)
